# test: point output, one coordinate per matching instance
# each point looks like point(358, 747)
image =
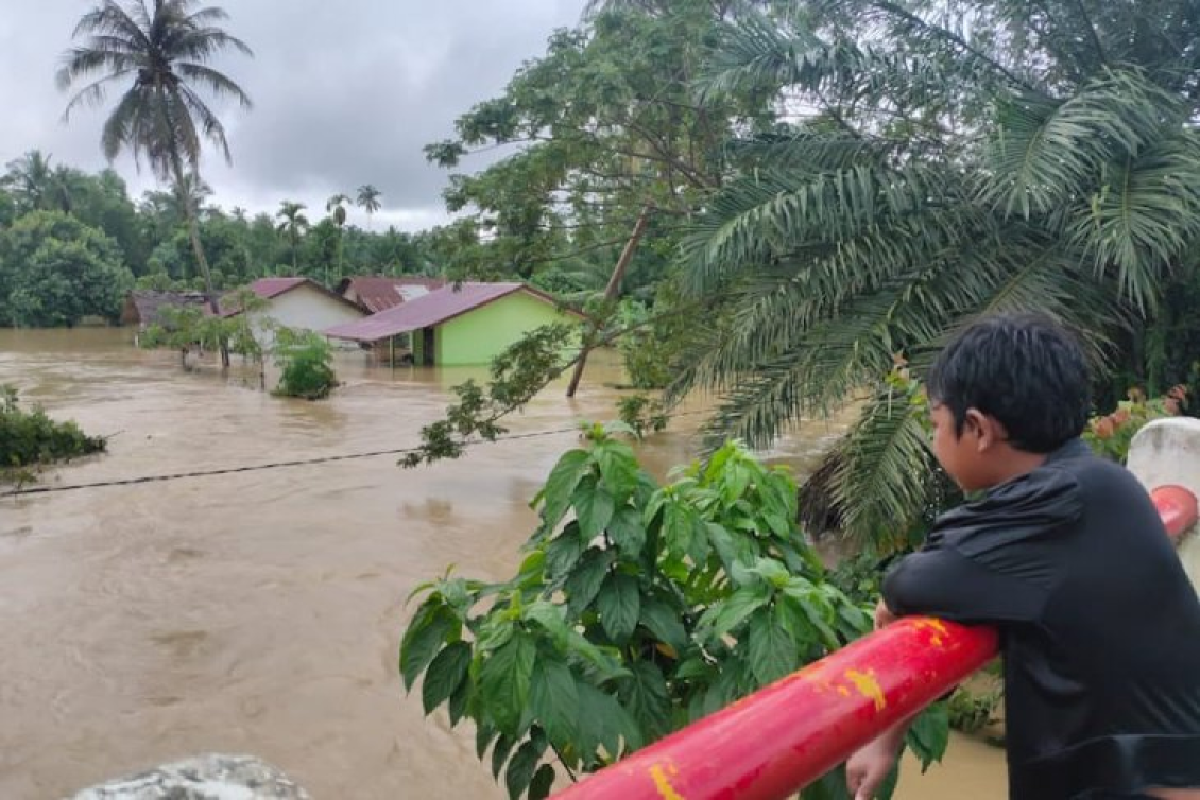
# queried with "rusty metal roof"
point(270, 288)
point(433, 309)
point(377, 293)
point(267, 288)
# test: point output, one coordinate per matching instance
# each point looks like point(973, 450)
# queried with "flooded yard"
point(260, 612)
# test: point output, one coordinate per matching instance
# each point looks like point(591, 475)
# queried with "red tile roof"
point(377, 294)
point(430, 310)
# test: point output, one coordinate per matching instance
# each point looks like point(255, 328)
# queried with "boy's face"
point(963, 456)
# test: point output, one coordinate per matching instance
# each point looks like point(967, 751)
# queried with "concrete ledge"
point(209, 777)
point(1167, 453)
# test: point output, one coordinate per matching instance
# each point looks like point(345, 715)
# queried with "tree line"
point(117, 242)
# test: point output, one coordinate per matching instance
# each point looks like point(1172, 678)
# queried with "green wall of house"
point(478, 336)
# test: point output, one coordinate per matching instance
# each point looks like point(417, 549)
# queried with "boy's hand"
point(883, 616)
point(869, 767)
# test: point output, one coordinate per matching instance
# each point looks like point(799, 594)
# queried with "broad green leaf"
point(567, 638)
point(425, 635)
point(456, 708)
point(693, 668)
point(563, 553)
point(725, 616)
point(619, 605)
point(584, 583)
point(608, 723)
point(504, 745)
point(664, 622)
point(556, 496)
point(542, 783)
point(522, 765)
point(594, 506)
point(771, 652)
point(445, 674)
point(772, 571)
point(532, 571)
point(554, 699)
point(929, 735)
point(618, 468)
point(495, 632)
point(484, 735)
point(504, 681)
point(737, 480)
point(645, 694)
point(628, 532)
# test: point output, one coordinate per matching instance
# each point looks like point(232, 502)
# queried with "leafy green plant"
point(646, 350)
point(305, 359)
point(1111, 435)
point(642, 414)
point(637, 609)
point(29, 440)
point(971, 711)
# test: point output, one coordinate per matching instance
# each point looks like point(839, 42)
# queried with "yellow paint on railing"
point(868, 686)
point(662, 782)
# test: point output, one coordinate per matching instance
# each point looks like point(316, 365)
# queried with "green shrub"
point(637, 610)
point(305, 359)
point(30, 440)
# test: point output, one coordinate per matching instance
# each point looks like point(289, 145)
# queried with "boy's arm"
point(992, 561)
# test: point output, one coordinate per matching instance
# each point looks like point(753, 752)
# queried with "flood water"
point(260, 612)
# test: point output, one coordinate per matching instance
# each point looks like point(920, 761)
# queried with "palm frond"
point(110, 19)
point(1044, 153)
point(770, 214)
point(880, 485)
point(219, 84)
point(80, 62)
point(201, 44)
point(1144, 216)
point(807, 152)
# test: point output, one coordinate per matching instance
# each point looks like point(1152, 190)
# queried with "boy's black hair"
point(1024, 370)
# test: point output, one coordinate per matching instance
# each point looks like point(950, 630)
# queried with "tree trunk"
point(197, 248)
point(610, 293)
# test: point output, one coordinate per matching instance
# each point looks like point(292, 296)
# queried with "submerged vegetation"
point(305, 361)
point(31, 440)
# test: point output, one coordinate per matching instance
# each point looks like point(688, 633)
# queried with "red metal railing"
point(771, 744)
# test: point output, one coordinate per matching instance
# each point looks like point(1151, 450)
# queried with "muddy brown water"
point(260, 612)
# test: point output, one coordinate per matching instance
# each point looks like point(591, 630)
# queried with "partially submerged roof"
point(379, 293)
point(270, 288)
point(431, 310)
point(145, 307)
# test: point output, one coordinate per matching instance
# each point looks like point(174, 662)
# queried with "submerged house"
point(377, 293)
point(142, 309)
point(463, 325)
point(298, 303)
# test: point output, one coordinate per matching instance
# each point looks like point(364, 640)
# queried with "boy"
point(1100, 628)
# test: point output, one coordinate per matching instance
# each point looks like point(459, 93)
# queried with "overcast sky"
point(346, 92)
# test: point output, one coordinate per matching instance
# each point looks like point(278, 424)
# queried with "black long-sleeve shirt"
point(1100, 627)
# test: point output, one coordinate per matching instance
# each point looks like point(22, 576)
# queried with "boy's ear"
point(988, 431)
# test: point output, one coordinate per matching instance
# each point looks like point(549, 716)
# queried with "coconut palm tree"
point(368, 200)
point(336, 207)
point(942, 175)
point(294, 223)
point(160, 52)
point(31, 179)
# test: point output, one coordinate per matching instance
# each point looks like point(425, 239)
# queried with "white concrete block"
point(1167, 453)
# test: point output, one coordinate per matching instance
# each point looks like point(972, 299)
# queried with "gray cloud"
point(346, 92)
